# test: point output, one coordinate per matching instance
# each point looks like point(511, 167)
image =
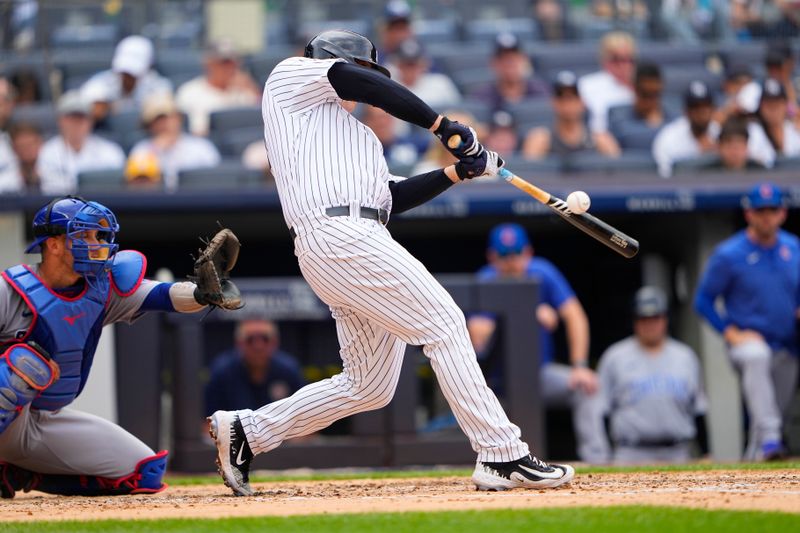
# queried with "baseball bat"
point(589, 224)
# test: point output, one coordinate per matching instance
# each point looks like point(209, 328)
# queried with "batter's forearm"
point(417, 190)
point(358, 84)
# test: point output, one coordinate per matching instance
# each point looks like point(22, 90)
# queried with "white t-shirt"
point(791, 140)
point(437, 90)
point(198, 99)
point(600, 91)
point(189, 152)
point(59, 165)
point(106, 86)
point(320, 154)
point(10, 178)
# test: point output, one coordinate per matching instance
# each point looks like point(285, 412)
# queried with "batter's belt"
point(381, 215)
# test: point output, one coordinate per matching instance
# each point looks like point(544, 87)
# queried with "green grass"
point(573, 520)
point(383, 474)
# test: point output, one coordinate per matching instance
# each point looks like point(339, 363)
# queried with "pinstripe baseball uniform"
point(380, 296)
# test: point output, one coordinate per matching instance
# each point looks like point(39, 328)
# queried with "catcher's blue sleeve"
point(158, 299)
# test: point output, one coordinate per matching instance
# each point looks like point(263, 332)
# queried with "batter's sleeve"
point(715, 281)
point(298, 84)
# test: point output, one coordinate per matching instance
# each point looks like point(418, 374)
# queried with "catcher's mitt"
point(211, 272)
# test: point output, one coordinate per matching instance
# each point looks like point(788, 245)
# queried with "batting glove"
point(488, 163)
point(469, 146)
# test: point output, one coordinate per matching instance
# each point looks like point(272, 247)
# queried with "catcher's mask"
point(348, 45)
point(73, 216)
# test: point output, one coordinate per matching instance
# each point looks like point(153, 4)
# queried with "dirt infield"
point(774, 490)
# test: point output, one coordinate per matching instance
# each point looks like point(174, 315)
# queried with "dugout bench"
point(388, 437)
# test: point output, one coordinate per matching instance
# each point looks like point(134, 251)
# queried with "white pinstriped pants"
point(383, 298)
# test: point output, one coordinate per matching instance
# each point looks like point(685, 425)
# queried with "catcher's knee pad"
point(149, 472)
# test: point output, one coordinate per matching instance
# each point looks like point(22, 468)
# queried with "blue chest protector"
point(69, 328)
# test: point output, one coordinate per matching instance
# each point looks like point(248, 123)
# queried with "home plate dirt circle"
point(764, 490)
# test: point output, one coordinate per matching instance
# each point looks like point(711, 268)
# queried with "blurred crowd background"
point(113, 98)
point(158, 96)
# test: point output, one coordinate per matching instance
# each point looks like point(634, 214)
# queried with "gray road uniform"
point(62, 446)
point(652, 400)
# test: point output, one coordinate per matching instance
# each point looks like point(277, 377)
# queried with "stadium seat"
point(529, 168)
point(310, 28)
point(532, 112)
point(77, 66)
point(694, 165)
point(261, 65)
point(672, 54)
point(234, 142)
point(227, 175)
point(435, 30)
point(677, 78)
point(636, 161)
point(452, 57)
point(235, 119)
point(470, 80)
point(84, 36)
point(101, 180)
point(43, 116)
point(179, 65)
point(750, 53)
point(487, 29)
point(477, 109)
point(581, 58)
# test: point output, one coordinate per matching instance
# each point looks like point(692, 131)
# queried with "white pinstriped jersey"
point(320, 154)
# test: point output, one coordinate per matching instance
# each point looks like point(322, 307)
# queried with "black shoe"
point(233, 452)
point(526, 472)
point(14, 478)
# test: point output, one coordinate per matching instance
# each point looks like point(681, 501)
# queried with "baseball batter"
point(51, 316)
point(336, 194)
point(652, 387)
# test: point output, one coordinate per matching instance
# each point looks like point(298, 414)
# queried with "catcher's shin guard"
point(145, 479)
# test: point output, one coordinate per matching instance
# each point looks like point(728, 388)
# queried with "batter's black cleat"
point(525, 473)
point(233, 452)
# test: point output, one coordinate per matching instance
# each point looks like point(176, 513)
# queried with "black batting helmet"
point(348, 45)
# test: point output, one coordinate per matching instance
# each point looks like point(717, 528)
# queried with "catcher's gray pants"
point(632, 455)
point(383, 298)
point(768, 381)
point(587, 412)
point(70, 442)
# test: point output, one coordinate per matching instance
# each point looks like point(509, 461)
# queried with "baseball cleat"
point(773, 450)
point(233, 452)
point(527, 472)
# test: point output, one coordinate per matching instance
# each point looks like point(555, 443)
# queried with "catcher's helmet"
point(350, 46)
point(70, 216)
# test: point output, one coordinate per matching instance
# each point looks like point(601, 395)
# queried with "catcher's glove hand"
point(211, 272)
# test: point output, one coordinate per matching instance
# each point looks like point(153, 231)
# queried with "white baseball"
point(578, 202)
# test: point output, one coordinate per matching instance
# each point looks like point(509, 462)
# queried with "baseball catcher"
point(52, 315)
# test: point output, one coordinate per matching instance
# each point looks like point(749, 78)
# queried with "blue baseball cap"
point(763, 195)
point(508, 239)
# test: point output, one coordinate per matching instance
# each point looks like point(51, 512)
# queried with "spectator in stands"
point(613, 85)
point(130, 81)
point(514, 81)
point(176, 150)
point(396, 28)
point(411, 68)
point(502, 136)
point(755, 275)
point(569, 133)
point(75, 149)
point(511, 256)
point(779, 63)
point(223, 86)
point(747, 18)
point(732, 147)
point(691, 21)
point(20, 174)
point(652, 387)
point(634, 127)
point(552, 20)
point(7, 100)
point(256, 372)
point(142, 171)
point(400, 151)
point(26, 85)
point(739, 93)
point(689, 136)
point(773, 112)
point(255, 157)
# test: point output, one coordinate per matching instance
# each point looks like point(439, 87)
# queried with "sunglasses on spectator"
point(649, 95)
point(254, 337)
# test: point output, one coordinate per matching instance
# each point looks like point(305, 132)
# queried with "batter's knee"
point(368, 394)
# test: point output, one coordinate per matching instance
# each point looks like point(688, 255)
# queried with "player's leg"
point(587, 412)
point(372, 358)
point(379, 278)
point(784, 378)
point(74, 453)
point(753, 359)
